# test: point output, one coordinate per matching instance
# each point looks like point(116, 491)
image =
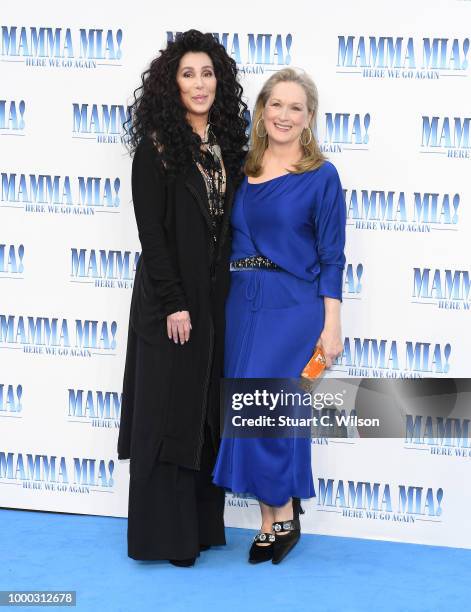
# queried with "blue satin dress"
point(274, 317)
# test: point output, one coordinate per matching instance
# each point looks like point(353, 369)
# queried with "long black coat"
point(168, 396)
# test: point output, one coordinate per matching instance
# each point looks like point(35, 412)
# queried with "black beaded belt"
point(255, 261)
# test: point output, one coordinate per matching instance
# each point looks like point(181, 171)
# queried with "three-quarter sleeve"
point(148, 192)
point(330, 221)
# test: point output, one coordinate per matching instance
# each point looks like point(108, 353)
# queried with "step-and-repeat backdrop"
point(394, 84)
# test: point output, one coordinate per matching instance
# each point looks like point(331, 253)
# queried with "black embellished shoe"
point(259, 554)
point(284, 542)
point(183, 562)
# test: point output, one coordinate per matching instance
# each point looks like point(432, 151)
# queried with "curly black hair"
point(158, 112)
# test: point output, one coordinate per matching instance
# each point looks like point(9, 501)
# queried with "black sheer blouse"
point(211, 166)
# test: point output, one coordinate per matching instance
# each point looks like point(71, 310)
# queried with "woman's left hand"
point(330, 341)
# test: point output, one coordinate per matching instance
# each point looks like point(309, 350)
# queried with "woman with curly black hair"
point(188, 135)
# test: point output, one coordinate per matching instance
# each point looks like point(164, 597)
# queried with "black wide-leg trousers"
point(176, 510)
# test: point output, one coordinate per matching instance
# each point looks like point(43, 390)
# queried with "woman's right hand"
point(179, 326)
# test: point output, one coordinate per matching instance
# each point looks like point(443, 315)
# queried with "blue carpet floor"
point(49, 551)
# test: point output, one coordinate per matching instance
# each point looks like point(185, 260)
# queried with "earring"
point(301, 137)
point(257, 130)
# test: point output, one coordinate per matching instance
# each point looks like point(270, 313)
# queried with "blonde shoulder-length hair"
point(312, 156)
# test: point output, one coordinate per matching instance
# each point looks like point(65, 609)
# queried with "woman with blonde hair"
point(287, 262)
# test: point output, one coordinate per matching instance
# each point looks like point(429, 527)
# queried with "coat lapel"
point(227, 213)
point(195, 183)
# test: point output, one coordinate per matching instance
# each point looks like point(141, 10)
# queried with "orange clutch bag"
point(315, 365)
